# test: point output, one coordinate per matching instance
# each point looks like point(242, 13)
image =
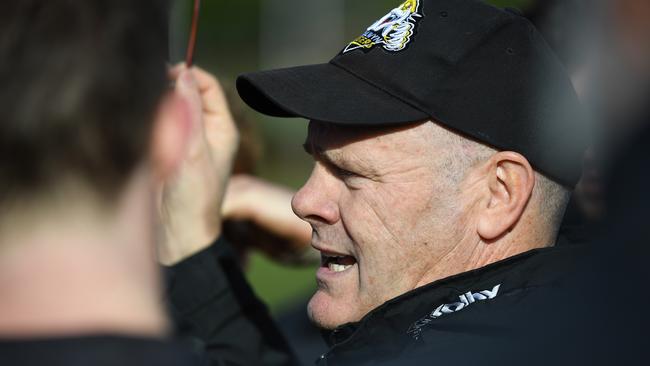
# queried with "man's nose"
point(315, 202)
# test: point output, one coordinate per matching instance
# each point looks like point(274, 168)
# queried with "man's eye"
point(342, 173)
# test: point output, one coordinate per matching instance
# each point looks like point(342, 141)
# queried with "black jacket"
point(95, 350)
point(473, 318)
point(217, 314)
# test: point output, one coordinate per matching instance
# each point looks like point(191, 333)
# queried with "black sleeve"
point(217, 314)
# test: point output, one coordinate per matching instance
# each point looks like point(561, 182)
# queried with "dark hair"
point(80, 81)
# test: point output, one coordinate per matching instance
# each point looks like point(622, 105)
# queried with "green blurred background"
point(247, 35)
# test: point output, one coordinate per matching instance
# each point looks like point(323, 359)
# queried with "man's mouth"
point(337, 263)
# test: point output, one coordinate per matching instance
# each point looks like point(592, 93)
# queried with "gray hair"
point(464, 153)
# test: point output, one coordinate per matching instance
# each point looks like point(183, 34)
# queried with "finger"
point(214, 100)
point(219, 127)
point(205, 79)
point(173, 72)
point(186, 86)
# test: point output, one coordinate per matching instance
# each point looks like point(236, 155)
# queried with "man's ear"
point(171, 135)
point(510, 185)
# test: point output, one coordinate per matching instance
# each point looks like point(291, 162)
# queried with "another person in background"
point(600, 43)
point(572, 29)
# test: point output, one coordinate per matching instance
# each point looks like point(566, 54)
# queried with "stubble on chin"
point(327, 313)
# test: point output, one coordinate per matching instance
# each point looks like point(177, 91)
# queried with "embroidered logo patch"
point(393, 32)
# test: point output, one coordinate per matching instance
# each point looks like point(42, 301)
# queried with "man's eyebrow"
point(318, 153)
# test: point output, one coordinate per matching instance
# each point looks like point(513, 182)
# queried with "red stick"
point(189, 59)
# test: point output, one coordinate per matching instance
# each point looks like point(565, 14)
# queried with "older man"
point(446, 146)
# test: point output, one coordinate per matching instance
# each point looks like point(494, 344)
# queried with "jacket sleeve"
point(217, 314)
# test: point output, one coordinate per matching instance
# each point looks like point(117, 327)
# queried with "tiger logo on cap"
point(393, 32)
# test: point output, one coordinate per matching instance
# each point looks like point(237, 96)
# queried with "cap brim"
point(323, 92)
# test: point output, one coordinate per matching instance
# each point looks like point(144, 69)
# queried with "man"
point(89, 132)
point(446, 144)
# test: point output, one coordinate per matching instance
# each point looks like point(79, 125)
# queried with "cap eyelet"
point(510, 51)
point(444, 14)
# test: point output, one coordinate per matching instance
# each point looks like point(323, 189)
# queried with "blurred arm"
point(213, 306)
point(257, 214)
point(217, 314)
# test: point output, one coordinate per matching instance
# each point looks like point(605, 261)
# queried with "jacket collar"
point(406, 315)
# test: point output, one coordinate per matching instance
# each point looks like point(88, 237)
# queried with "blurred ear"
point(170, 135)
point(510, 184)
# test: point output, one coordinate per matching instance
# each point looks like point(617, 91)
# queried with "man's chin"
point(329, 313)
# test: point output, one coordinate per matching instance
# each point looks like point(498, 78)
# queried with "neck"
point(71, 267)
point(474, 252)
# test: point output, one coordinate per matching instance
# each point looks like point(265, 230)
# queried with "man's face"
point(383, 213)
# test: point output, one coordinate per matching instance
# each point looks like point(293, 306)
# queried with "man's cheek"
point(395, 202)
point(363, 220)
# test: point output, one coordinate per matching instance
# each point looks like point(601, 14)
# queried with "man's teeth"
point(338, 267)
point(337, 263)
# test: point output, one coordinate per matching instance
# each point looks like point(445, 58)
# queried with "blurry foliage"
point(228, 45)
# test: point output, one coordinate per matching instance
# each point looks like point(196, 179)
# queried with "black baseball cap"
point(479, 70)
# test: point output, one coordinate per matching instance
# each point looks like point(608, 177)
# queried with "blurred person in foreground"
point(95, 150)
point(447, 139)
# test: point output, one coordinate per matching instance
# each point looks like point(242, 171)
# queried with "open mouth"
point(337, 263)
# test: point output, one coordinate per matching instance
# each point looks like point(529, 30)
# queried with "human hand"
point(258, 215)
point(190, 206)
